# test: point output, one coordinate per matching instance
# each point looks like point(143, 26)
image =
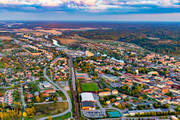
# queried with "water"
point(55, 43)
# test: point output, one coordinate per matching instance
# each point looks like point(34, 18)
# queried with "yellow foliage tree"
point(38, 99)
point(140, 98)
point(49, 118)
point(20, 114)
point(24, 114)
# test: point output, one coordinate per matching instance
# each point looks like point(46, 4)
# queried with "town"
point(42, 79)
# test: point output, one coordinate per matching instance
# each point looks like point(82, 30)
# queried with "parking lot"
point(94, 114)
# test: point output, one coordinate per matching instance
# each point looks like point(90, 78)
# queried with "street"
point(64, 92)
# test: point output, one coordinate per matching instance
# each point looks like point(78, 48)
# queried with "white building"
point(87, 97)
point(132, 113)
point(46, 84)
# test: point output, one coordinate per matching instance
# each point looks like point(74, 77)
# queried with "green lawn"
point(62, 95)
point(66, 116)
point(85, 87)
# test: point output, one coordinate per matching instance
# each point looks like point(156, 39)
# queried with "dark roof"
point(88, 104)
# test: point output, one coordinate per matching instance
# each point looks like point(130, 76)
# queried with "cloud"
point(91, 6)
point(49, 2)
point(90, 2)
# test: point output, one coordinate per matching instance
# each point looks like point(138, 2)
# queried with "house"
point(124, 96)
point(102, 94)
point(1, 99)
point(46, 84)
point(165, 90)
point(29, 96)
point(46, 99)
point(46, 94)
point(142, 111)
point(116, 103)
point(82, 76)
point(89, 54)
point(114, 92)
point(148, 91)
point(174, 118)
point(153, 73)
point(29, 100)
point(26, 87)
point(49, 91)
point(118, 98)
point(108, 102)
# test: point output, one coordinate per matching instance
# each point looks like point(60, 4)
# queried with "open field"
point(5, 38)
point(50, 109)
point(65, 41)
point(66, 116)
point(89, 87)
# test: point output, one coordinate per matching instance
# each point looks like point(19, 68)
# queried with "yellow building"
point(89, 54)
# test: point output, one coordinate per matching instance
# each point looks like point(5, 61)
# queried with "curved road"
point(64, 92)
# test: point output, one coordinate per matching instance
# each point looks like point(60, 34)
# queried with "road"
point(64, 92)
point(41, 103)
point(22, 98)
point(74, 88)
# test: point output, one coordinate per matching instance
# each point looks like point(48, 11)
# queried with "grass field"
point(50, 109)
point(65, 41)
point(66, 116)
point(89, 87)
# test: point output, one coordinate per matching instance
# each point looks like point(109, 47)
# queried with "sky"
point(90, 10)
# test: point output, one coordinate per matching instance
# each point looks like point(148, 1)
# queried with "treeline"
point(167, 34)
point(156, 114)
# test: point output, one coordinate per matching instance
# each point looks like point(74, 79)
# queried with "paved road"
point(5, 87)
point(22, 98)
point(64, 92)
point(41, 103)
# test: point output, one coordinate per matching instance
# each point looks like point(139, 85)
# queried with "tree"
point(119, 106)
point(30, 111)
point(113, 100)
point(165, 106)
point(24, 114)
point(13, 86)
point(140, 98)
point(38, 99)
point(55, 99)
point(178, 108)
point(20, 114)
point(126, 99)
point(128, 105)
point(49, 118)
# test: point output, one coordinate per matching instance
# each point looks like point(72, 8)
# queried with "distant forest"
point(158, 37)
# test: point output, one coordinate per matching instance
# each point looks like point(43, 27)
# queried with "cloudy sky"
point(91, 10)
